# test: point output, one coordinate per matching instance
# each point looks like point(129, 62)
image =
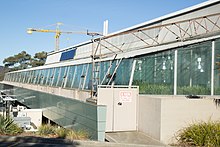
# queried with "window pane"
point(154, 73)
point(103, 70)
point(217, 68)
point(124, 72)
point(55, 76)
point(61, 76)
point(50, 77)
point(88, 82)
point(70, 76)
point(77, 76)
point(194, 69)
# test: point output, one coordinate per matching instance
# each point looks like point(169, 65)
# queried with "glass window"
point(61, 76)
point(194, 69)
point(36, 76)
point(22, 76)
point(50, 77)
point(104, 71)
point(83, 76)
point(40, 76)
point(70, 76)
point(55, 76)
point(108, 70)
point(88, 82)
point(77, 76)
point(217, 68)
point(124, 72)
point(43, 76)
point(32, 77)
point(27, 75)
point(154, 73)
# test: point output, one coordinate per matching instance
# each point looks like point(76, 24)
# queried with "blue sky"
point(76, 15)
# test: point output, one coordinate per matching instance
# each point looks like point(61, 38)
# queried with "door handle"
point(119, 103)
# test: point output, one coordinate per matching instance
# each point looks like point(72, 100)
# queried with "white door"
point(124, 108)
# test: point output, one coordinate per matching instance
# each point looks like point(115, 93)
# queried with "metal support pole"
point(213, 68)
point(175, 72)
point(93, 66)
point(132, 73)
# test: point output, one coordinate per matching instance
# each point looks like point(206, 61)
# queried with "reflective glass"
point(39, 77)
point(217, 68)
point(124, 72)
point(33, 76)
point(88, 82)
point(103, 71)
point(77, 76)
point(83, 76)
point(194, 69)
point(55, 76)
point(61, 76)
point(70, 75)
point(50, 78)
point(155, 73)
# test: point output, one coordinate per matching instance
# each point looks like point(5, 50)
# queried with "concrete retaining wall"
point(161, 117)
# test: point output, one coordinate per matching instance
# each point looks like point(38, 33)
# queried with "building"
point(172, 60)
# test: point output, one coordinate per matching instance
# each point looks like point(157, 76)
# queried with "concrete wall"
point(161, 117)
point(179, 112)
point(149, 120)
point(69, 93)
point(35, 115)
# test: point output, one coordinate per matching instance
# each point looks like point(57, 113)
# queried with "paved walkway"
point(132, 138)
point(30, 141)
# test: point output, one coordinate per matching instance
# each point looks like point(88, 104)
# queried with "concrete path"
point(30, 141)
point(132, 138)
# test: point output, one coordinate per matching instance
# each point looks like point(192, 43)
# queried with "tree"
point(39, 59)
point(23, 60)
point(9, 62)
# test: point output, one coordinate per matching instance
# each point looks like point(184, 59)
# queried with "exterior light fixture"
point(164, 66)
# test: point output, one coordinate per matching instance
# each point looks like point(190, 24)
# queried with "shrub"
point(82, 135)
point(77, 135)
point(46, 130)
point(200, 134)
point(71, 135)
point(61, 132)
point(8, 127)
point(53, 131)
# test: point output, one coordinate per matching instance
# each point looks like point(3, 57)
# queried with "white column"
point(213, 66)
point(132, 73)
point(175, 73)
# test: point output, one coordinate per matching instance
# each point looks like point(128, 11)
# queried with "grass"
point(55, 132)
point(46, 129)
point(8, 127)
point(77, 135)
point(200, 134)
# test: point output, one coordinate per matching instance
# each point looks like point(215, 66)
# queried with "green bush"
point(147, 88)
point(8, 127)
point(200, 134)
point(46, 130)
point(52, 131)
point(194, 90)
point(77, 135)
point(61, 132)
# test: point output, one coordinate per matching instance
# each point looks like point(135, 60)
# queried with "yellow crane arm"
point(31, 30)
point(58, 33)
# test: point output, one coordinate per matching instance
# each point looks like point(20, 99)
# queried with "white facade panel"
point(53, 58)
